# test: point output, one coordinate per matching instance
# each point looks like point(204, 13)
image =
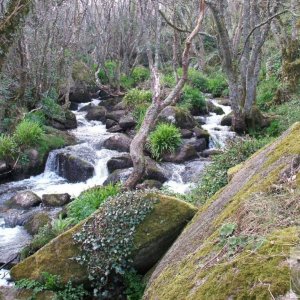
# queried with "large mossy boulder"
point(152, 237)
point(242, 242)
point(64, 121)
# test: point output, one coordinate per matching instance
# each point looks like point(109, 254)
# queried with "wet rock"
point(116, 115)
point(85, 108)
point(37, 221)
point(79, 95)
point(227, 120)
point(154, 171)
point(96, 113)
point(211, 152)
point(115, 129)
point(119, 142)
point(149, 184)
point(120, 162)
point(109, 104)
point(152, 238)
point(120, 106)
point(24, 200)
point(17, 217)
point(56, 200)
point(186, 134)
point(73, 168)
point(184, 153)
point(73, 106)
point(201, 133)
point(66, 120)
point(225, 102)
point(214, 108)
point(199, 144)
point(4, 169)
point(177, 116)
point(127, 122)
point(117, 176)
point(110, 123)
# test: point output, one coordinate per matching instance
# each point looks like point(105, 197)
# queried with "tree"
point(240, 41)
point(158, 103)
point(10, 20)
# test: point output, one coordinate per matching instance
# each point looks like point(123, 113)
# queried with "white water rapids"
point(90, 136)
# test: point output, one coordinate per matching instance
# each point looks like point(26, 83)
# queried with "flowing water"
point(90, 136)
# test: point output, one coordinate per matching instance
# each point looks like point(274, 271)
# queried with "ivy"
point(107, 241)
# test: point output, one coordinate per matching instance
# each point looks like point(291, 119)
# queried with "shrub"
point(198, 80)
point(139, 114)
point(140, 74)
point(60, 225)
point(265, 92)
point(51, 108)
point(136, 97)
point(215, 174)
point(166, 138)
point(134, 286)
point(8, 147)
point(28, 133)
point(126, 82)
point(192, 99)
point(90, 201)
point(168, 80)
point(217, 84)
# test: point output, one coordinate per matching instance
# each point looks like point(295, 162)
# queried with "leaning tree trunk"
point(10, 23)
point(138, 143)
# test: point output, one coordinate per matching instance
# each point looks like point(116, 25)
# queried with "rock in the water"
point(177, 116)
point(186, 134)
point(24, 200)
point(154, 171)
point(67, 120)
point(120, 106)
point(149, 184)
point(127, 122)
point(96, 113)
point(120, 162)
point(115, 129)
point(117, 176)
point(73, 168)
point(211, 152)
point(56, 200)
point(119, 142)
point(17, 217)
point(37, 221)
point(116, 115)
point(109, 104)
point(73, 106)
point(225, 102)
point(184, 153)
point(151, 240)
point(214, 108)
point(110, 123)
point(227, 120)
point(201, 133)
point(199, 144)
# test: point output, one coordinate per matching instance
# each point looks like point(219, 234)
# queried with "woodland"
point(149, 149)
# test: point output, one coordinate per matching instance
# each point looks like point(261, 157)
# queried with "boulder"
point(184, 153)
point(18, 217)
point(149, 184)
point(127, 122)
point(115, 129)
point(56, 200)
point(119, 142)
point(37, 221)
point(117, 176)
point(85, 107)
point(120, 106)
point(109, 104)
point(66, 120)
point(120, 162)
point(152, 238)
point(73, 106)
point(24, 200)
point(177, 116)
point(110, 123)
point(197, 266)
point(154, 171)
point(79, 95)
point(199, 144)
point(73, 168)
point(227, 120)
point(96, 113)
point(116, 115)
point(186, 134)
point(214, 108)
point(12, 293)
point(201, 133)
point(224, 101)
point(211, 152)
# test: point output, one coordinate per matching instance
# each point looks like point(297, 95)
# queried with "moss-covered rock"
point(153, 237)
point(260, 203)
point(36, 222)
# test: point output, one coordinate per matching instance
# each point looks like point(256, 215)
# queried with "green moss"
point(234, 170)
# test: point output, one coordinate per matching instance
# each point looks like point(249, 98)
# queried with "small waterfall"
point(51, 164)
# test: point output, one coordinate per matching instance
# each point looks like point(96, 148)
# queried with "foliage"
point(198, 80)
point(51, 108)
point(107, 241)
point(134, 285)
point(139, 114)
point(217, 84)
point(266, 92)
point(28, 133)
point(50, 282)
point(168, 80)
point(166, 138)
point(215, 174)
point(50, 142)
point(126, 82)
point(192, 99)
point(136, 97)
point(90, 201)
point(8, 147)
point(36, 117)
point(140, 73)
point(60, 225)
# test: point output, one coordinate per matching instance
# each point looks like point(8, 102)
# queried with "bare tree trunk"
point(158, 104)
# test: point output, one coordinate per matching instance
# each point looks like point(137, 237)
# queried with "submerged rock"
point(151, 239)
point(119, 142)
point(200, 266)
